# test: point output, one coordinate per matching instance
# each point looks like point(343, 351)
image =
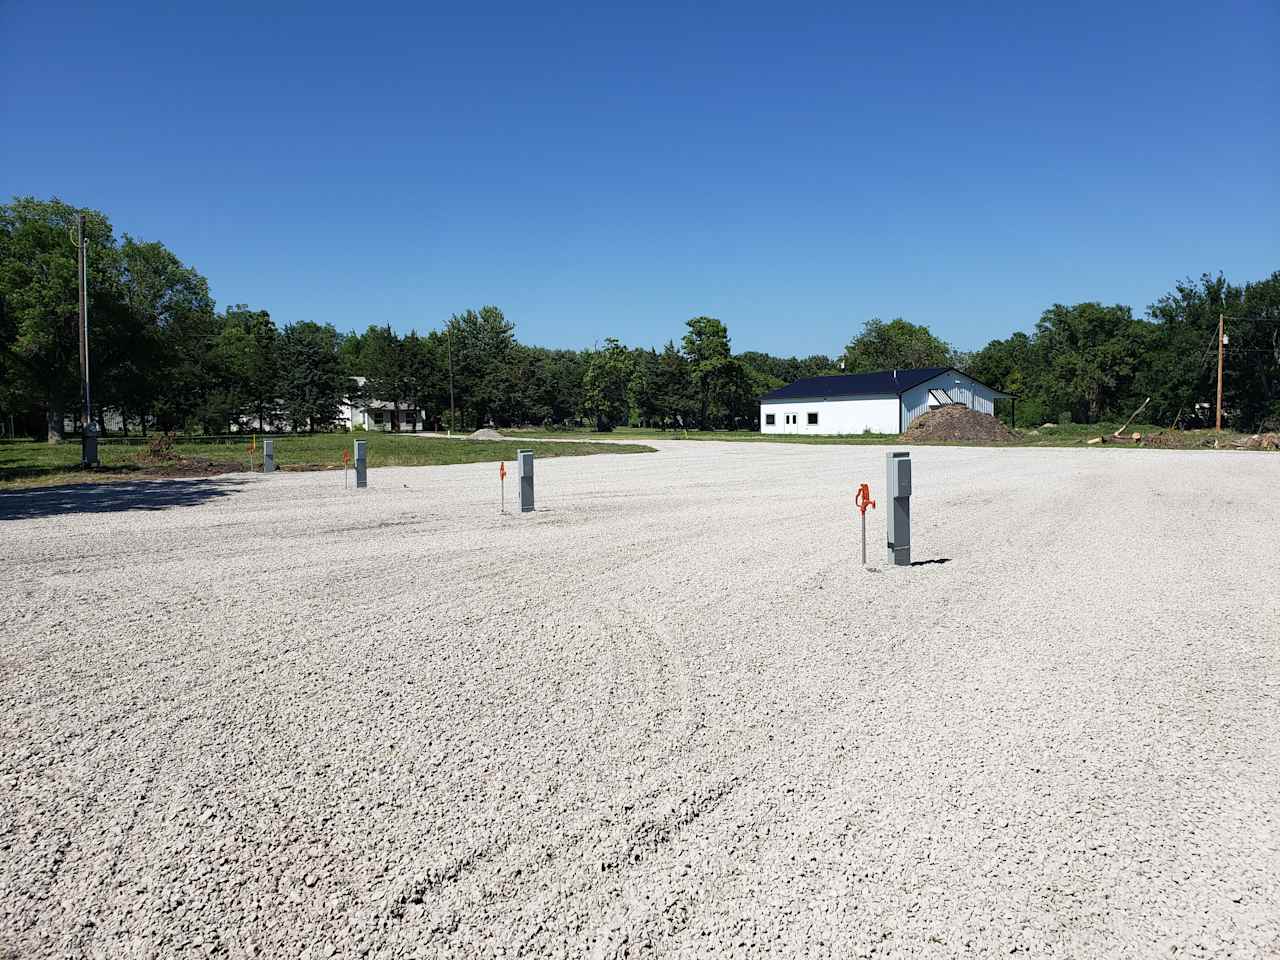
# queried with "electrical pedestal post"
point(898, 519)
point(268, 456)
point(524, 465)
point(362, 477)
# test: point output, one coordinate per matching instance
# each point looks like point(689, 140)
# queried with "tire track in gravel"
point(577, 840)
point(658, 826)
point(170, 714)
point(583, 831)
point(172, 711)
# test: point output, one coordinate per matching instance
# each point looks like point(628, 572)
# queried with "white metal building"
point(883, 402)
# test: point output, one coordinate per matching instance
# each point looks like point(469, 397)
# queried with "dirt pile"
point(159, 451)
point(958, 424)
point(160, 458)
point(484, 433)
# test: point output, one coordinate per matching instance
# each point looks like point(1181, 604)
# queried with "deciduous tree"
point(896, 345)
point(604, 385)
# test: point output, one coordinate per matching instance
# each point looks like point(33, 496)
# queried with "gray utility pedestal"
point(362, 478)
point(898, 518)
point(268, 456)
point(89, 446)
point(524, 470)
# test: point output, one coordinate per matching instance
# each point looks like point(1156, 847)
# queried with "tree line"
point(165, 358)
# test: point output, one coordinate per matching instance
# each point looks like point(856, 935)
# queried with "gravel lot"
point(669, 712)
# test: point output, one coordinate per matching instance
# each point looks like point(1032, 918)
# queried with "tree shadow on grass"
point(112, 497)
point(30, 471)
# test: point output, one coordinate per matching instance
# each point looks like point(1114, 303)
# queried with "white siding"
point(875, 414)
point(960, 388)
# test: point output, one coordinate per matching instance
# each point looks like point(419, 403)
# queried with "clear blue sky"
point(792, 169)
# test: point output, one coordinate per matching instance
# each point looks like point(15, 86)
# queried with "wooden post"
point(88, 432)
point(1221, 336)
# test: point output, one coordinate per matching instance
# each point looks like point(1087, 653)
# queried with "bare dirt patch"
point(160, 459)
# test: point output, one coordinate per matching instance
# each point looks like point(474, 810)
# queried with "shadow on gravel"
point(925, 563)
point(112, 497)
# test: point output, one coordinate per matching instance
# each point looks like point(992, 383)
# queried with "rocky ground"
point(667, 713)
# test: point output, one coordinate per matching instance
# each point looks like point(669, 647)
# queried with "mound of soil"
point(485, 433)
point(958, 424)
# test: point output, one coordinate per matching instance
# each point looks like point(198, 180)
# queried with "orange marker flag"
point(502, 470)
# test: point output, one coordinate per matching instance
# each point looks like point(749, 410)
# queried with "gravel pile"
point(485, 433)
point(668, 712)
point(958, 424)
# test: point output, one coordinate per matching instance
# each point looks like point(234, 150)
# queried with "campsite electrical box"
point(362, 477)
point(524, 470)
point(268, 456)
point(88, 446)
point(902, 467)
point(898, 516)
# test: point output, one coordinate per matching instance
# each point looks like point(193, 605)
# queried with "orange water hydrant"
point(862, 500)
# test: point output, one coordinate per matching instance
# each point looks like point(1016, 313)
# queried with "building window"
point(813, 419)
point(768, 419)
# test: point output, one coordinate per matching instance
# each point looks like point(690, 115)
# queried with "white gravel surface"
point(667, 713)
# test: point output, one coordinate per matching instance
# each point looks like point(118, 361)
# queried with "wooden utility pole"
point(1222, 339)
point(88, 430)
point(450, 347)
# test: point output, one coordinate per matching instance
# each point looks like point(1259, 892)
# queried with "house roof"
point(891, 382)
point(846, 386)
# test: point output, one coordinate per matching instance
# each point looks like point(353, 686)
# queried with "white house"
point(370, 414)
point(883, 402)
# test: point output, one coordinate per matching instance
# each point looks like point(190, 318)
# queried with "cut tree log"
point(1134, 414)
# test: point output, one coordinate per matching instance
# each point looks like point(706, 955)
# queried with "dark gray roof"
point(880, 383)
